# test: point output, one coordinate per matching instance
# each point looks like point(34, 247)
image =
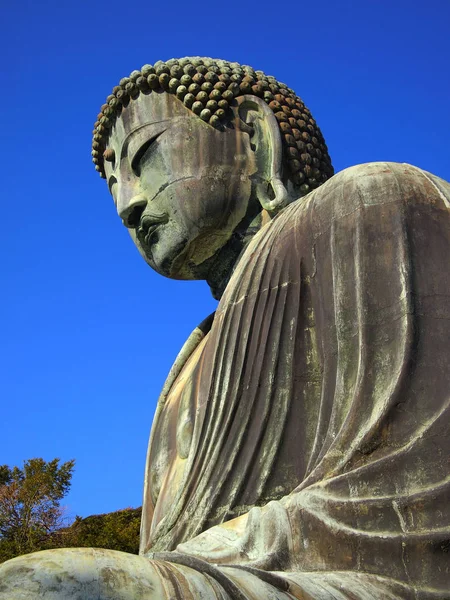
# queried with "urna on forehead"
point(208, 88)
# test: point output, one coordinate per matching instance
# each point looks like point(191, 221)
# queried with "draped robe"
point(301, 445)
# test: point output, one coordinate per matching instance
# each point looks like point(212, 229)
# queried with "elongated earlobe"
point(266, 141)
point(272, 195)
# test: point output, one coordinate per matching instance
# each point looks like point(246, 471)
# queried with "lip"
point(150, 233)
point(148, 225)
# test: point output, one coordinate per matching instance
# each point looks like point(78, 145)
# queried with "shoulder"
point(386, 172)
point(374, 185)
point(385, 182)
point(376, 192)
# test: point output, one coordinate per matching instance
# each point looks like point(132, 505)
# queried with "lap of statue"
point(94, 573)
point(75, 573)
point(97, 574)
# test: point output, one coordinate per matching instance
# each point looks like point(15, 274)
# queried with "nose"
point(131, 212)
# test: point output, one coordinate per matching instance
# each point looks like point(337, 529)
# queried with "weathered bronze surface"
point(301, 443)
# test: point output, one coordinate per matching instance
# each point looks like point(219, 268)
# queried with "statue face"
point(179, 185)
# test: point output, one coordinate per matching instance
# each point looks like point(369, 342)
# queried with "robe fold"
point(301, 446)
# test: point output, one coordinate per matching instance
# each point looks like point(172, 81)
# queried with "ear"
point(261, 124)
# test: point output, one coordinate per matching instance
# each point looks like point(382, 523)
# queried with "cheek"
point(211, 202)
point(154, 175)
point(196, 149)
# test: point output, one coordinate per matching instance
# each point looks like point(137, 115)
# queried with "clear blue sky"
point(88, 331)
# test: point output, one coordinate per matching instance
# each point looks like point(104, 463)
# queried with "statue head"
point(198, 151)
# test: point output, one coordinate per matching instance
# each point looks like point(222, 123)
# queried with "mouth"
point(148, 226)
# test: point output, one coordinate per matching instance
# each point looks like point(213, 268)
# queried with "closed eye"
point(140, 153)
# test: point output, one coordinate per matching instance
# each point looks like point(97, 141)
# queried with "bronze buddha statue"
point(300, 446)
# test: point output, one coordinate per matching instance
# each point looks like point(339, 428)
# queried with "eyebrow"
point(128, 138)
point(126, 142)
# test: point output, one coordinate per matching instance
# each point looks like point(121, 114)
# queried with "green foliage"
point(115, 531)
point(30, 510)
point(5, 474)
point(32, 519)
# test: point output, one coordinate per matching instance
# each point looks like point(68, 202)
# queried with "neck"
point(223, 263)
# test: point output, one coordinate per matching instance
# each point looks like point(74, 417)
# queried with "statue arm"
point(259, 556)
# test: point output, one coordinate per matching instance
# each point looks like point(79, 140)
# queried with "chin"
point(169, 262)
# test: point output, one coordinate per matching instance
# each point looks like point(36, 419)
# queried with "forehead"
point(146, 109)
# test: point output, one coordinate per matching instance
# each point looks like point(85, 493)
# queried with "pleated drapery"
point(319, 453)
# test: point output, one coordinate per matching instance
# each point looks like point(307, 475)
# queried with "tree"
point(118, 530)
point(30, 510)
